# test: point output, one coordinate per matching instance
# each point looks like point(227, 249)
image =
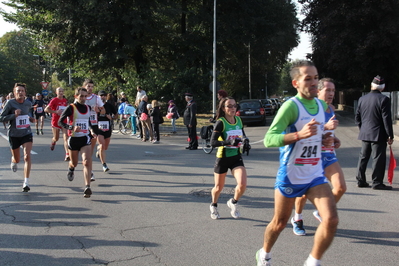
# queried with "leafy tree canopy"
point(166, 45)
point(353, 41)
point(17, 63)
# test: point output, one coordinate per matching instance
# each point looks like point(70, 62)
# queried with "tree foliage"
point(164, 44)
point(353, 41)
point(17, 63)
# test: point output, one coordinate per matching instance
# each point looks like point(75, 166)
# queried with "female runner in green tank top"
point(228, 135)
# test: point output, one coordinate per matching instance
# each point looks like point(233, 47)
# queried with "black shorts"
point(37, 116)
point(76, 143)
point(222, 165)
point(16, 142)
point(95, 129)
point(106, 134)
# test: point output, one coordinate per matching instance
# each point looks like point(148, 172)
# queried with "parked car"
point(270, 109)
point(252, 111)
point(274, 104)
point(277, 102)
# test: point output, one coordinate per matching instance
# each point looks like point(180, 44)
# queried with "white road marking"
point(6, 138)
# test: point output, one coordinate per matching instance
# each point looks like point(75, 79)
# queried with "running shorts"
point(76, 143)
point(38, 115)
point(16, 142)
point(106, 134)
point(222, 165)
point(293, 191)
point(328, 159)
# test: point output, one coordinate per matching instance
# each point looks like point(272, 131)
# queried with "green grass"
point(202, 120)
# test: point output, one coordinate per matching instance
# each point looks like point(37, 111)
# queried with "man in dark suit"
point(190, 120)
point(373, 117)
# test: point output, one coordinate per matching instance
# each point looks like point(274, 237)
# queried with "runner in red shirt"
point(56, 107)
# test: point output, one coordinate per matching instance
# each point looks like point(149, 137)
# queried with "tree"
point(285, 80)
point(164, 44)
point(17, 62)
point(353, 41)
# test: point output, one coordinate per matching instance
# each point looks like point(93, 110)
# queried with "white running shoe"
point(105, 168)
point(92, 177)
point(14, 167)
point(262, 261)
point(317, 215)
point(214, 212)
point(234, 209)
point(307, 264)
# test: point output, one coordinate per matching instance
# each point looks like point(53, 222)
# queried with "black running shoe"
point(70, 175)
point(87, 193)
point(25, 189)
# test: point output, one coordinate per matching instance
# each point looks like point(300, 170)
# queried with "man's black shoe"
point(193, 148)
point(363, 184)
point(188, 147)
point(382, 187)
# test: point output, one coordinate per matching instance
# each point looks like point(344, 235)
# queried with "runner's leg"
point(322, 197)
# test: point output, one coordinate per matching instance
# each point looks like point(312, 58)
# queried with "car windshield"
point(249, 105)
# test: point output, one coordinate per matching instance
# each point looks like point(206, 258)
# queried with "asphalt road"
point(152, 208)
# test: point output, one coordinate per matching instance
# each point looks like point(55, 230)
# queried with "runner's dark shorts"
point(95, 129)
point(38, 115)
point(222, 165)
point(106, 134)
point(76, 143)
point(16, 142)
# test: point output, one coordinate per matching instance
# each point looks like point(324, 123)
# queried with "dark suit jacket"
point(373, 117)
point(190, 114)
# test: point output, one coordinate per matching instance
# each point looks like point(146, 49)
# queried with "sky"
point(4, 26)
point(299, 52)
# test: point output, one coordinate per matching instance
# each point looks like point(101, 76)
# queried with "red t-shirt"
point(57, 104)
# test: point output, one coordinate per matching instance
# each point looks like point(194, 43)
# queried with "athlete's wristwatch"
point(70, 127)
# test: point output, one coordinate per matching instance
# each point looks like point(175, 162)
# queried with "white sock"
point(298, 216)
point(268, 255)
point(312, 261)
point(264, 254)
point(26, 181)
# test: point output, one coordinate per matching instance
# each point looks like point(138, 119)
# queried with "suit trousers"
point(377, 150)
point(192, 134)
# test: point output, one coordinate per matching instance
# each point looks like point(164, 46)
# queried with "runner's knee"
point(27, 157)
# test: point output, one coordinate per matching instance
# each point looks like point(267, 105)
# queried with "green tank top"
point(230, 131)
